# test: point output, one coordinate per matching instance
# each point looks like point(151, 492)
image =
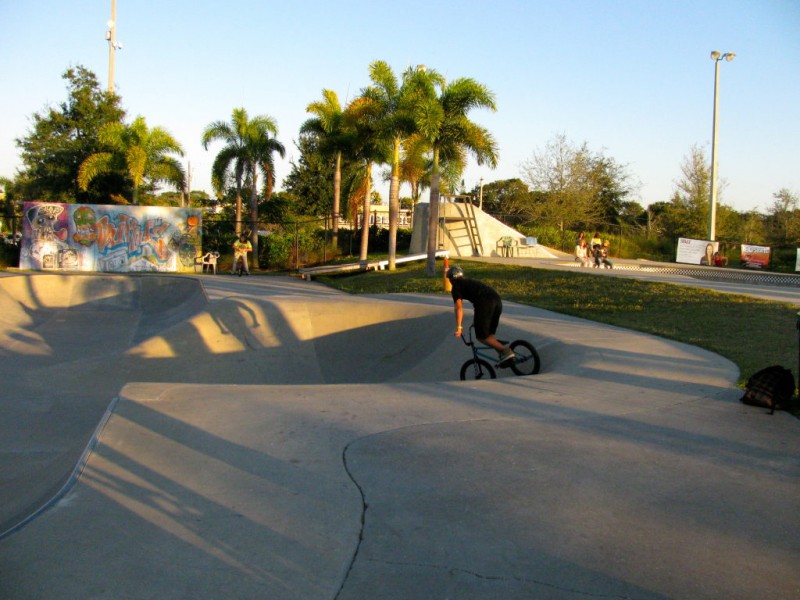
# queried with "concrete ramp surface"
point(269, 438)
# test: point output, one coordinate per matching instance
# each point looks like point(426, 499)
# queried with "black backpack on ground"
point(771, 388)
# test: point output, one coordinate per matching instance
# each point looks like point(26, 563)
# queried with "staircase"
point(461, 227)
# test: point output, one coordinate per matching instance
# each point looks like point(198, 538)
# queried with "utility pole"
point(113, 45)
point(712, 213)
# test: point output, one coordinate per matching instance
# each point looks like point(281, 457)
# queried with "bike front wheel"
point(477, 368)
point(527, 360)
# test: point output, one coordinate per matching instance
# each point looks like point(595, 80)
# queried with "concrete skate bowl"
point(70, 343)
point(81, 329)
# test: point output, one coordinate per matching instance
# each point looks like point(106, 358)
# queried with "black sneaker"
point(506, 358)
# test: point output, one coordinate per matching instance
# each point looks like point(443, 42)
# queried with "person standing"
point(487, 309)
point(240, 248)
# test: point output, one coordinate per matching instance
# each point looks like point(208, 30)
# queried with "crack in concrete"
point(364, 507)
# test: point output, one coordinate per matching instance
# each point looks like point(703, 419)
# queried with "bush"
point(9, 255)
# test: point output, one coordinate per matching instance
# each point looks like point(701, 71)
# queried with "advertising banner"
point(696, 252)
point(797, 261)
point(755, 257)
point(107, 238)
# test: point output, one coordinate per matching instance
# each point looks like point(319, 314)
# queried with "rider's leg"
point(487, 318)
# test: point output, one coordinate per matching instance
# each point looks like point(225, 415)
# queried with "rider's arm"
point(459, 312)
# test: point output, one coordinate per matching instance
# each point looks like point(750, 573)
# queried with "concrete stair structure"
point(466, 230)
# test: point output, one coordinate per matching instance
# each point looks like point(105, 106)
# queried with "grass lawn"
point(750, 332)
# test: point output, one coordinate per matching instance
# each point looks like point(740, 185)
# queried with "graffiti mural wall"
point(92, 237)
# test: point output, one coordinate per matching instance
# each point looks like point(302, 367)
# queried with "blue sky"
point(630, 78)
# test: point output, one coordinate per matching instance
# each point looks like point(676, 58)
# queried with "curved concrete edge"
point(73, 477)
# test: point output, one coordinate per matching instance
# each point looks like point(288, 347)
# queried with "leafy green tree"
point(143, 154)
point(249, 151)
point(564, 174)
point(783, 218)
point(334, 139)
point(691, 199)
point(62, 138)
point(441, 120)
point(752, 229)
point(309, 179)
point(632, 214)
point(612, 184)
point(509, 197)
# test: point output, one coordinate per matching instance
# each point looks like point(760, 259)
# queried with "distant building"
point(379, 215)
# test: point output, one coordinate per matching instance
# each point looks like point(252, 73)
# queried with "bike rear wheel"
point(527, 360)
point(477, 368)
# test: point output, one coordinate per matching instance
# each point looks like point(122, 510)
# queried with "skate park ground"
point(265, 437)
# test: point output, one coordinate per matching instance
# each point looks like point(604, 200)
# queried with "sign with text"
point(696, 252)
point(755, 257)
point(107, 238)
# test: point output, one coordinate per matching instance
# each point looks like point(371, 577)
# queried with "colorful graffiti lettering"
point(110, 238)
point(127, 233)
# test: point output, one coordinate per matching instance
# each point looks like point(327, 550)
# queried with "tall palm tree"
point(248, 151)
point(362, 119)
point(329, 127)
point(394, 124)
point(262, 161)
point(140, 152)
point(442, 121)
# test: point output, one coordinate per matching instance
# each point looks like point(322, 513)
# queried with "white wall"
point(489, 228)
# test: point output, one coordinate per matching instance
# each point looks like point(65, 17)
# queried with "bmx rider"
point(488, 307)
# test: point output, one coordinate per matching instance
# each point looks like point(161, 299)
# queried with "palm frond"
point(94, 165)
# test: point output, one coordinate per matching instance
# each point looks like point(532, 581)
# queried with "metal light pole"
point(712, 213)
point(113, 45)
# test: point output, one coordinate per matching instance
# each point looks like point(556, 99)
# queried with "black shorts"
point(487, 318)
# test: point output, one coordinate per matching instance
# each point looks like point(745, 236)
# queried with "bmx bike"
point(526, 360)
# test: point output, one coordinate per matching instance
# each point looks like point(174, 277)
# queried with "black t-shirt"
point(474, 291)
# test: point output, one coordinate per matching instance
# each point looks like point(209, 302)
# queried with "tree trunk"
point(433, 217)
point(238, 224)
point(337, 191)
point(365, 221)
point(254, 218)
point(394, 205)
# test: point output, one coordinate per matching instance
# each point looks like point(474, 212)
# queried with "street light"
point(712, 213)
point(113, 44)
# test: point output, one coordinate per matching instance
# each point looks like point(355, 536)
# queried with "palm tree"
point(248, 151)
point(394, 124)
point(262, 161)
point(415, 166)
point(329, 127)
point(362, 118)
point(140, 152)
point(442, 121)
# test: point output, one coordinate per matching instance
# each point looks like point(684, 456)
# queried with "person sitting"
point(719, 260)
point(604, 255)
point(582, 253)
